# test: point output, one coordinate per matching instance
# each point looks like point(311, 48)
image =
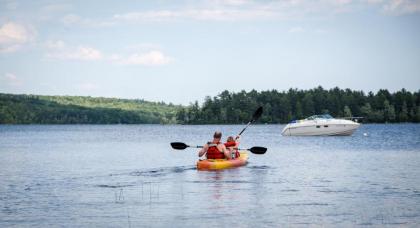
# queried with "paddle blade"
point(179, 145)
point(257, 113)
point(258, 150)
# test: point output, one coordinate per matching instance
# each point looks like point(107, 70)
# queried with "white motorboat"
point(318, 125)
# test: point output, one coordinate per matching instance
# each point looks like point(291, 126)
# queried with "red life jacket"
point(213, 152)
point(233, 145)
point(230, 144)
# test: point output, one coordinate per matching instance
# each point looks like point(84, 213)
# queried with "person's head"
point(230, 139)
point(217, 135)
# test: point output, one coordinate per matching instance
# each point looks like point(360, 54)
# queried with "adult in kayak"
point(215, 149)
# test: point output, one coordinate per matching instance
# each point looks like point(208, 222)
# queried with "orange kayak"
point(217, 164)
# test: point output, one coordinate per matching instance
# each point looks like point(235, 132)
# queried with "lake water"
point(128, 176)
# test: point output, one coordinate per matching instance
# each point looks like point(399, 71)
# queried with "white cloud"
point(232, 2)
point(374, 1)
point(240, 10)
point(73, 19)
point(151, 58)
point(88, 53)
point(59, 50)
point(143, 55)
point(296, 30)
point(143, 47)
point(228, 10)
point(194, 14)
point(400, 7)
point(79, 53)
point(13, 36)
point(12, 79)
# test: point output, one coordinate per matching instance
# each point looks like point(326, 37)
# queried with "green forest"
point(225, 108)
point(34, 109)
point(281, 107)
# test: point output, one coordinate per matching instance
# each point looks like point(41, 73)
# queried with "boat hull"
point(219, 164)
point(343, 128)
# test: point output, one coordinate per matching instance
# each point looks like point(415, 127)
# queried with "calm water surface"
point(128, 176)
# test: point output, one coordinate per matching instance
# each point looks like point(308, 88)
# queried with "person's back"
point(215, 149)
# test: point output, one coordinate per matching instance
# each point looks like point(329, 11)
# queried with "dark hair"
point(217, 135)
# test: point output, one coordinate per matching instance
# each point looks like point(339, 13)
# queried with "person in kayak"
point(232, 145)
point(215, 149)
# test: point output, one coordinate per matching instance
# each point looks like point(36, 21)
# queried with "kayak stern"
point(218, 164)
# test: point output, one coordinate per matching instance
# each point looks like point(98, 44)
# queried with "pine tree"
point(403, 116)
point(347, 111)
point(389, 111)
point(308, 105)
point(299, 114)
point(366, 111)
point(417, 118)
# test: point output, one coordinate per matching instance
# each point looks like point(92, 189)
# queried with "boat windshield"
point(324, 116)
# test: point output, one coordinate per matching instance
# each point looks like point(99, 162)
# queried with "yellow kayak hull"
point(218, 164)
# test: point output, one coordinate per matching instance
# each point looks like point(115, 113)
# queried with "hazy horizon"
point(182, 51)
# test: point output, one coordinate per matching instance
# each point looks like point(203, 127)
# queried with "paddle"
point(256, 149)
point(182, 146)
point(255, 117)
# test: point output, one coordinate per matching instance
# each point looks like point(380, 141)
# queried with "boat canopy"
point(324, 116)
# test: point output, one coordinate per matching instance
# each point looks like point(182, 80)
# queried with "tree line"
point(282, 107)
point(34, 109)
point(225, 108)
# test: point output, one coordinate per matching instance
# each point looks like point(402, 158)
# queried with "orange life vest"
point(213, 152)
point(233, 145)
point(230, 144)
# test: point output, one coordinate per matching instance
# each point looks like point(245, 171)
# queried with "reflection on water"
point(128, 176)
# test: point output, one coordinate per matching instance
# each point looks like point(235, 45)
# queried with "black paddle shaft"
point(255, 117)
point(182, 146)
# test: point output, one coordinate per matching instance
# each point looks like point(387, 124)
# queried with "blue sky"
point(182, 51)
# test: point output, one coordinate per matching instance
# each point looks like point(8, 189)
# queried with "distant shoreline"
point(226, 108)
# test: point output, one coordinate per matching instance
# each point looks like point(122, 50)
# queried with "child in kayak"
point(215, 149)
point(232, 145)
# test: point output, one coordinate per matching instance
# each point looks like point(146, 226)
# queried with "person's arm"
point(225, 151)
point(237, 140)
point(203, 150)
